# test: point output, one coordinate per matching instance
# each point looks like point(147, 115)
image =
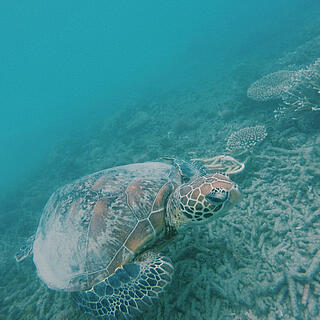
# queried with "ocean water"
point(87, 86)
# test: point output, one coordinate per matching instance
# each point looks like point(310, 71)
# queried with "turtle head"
point(203, 199)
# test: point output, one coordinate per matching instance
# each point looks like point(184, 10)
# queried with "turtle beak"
point(234, 198)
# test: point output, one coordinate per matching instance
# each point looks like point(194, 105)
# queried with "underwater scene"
point(160, 160)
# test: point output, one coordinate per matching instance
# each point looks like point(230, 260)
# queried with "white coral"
point(245, 138)
point(273, 86)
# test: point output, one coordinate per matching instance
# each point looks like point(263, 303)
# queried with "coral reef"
point(261, 261)
point(245, 138)
point(298, 91)
point(272, 86)
point(305, 95)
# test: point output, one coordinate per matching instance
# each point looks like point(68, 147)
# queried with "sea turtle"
point(100, 235)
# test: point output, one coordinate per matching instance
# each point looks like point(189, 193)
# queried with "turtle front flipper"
point(129, 291)
point(25, 250)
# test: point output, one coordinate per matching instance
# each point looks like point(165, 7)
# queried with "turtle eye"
point(217, 195)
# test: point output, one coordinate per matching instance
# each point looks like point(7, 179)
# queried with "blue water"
point(92, 84)
point(64, 64)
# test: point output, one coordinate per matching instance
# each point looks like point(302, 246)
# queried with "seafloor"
point(262, 261)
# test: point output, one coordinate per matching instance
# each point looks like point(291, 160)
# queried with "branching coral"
point(262, 260)
point(298, 90)
point(305, 95)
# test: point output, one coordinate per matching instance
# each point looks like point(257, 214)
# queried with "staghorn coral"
point(272, 86)
point(305, 95)
point(267, 265)
point(298, 90)
point(244, 139)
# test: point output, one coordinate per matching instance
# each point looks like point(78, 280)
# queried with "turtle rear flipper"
point(129, 291)
point(25, 250)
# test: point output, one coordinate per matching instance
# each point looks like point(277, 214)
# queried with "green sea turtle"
point(99, 236)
